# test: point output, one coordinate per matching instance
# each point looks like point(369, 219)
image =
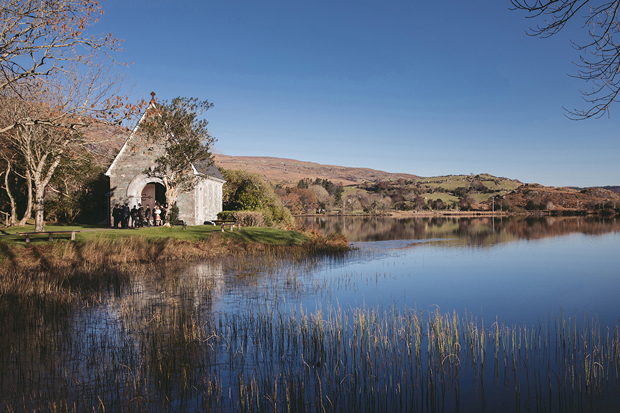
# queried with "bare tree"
point(12, 162)
point(7, 172)
point(599, 61)
point(55, 80)
point(45, 43)
point(47, 125)
point(419, 202)
point(40, 148)
point(323, 199)
point(38, 38)
point(374, 203)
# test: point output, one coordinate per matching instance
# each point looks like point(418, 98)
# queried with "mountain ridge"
point(290, 171)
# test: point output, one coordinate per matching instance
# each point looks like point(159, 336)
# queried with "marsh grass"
point(125, 247)
point(172, 358)
point(158, 338)
point(88, 328)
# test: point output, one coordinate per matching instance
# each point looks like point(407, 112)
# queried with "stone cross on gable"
point(153, 100)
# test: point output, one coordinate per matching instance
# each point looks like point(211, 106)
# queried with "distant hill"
point(552, 198)
point(289, 171)
point(615, 189)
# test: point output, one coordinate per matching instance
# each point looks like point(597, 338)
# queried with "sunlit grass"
point(195, 233)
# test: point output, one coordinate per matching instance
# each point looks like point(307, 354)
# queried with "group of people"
point(139, 216)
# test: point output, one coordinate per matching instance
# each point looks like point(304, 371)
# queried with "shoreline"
point(139, 249)
point(464, 214)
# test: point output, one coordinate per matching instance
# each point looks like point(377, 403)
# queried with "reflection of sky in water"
point(519, 283)
point(516, 282)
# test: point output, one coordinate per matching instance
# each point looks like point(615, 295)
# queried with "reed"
point(104, 250)
point(149, 338)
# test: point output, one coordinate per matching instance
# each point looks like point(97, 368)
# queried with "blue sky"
point(428, 88)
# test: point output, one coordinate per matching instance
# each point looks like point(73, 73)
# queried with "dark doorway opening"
point(153, 192)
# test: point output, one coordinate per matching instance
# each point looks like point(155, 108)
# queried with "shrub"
point(172, 215)
point(532, 206)
point(245, 191)
point(250, 218)
point(226, 215)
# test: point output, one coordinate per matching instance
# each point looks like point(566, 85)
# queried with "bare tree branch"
point(599, 61)
point(38, 37)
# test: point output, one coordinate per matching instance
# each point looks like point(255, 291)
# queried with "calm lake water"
point(515, 269)
point(425, 315)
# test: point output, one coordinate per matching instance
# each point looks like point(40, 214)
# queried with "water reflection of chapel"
point(129, 185)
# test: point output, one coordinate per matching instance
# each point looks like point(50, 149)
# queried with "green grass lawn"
point(268, 236)
point(446, 198)
point(447, 186)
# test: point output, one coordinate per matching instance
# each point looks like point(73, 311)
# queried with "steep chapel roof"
point(206, 168)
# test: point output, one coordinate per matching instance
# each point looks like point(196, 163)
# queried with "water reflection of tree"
point(467, 231)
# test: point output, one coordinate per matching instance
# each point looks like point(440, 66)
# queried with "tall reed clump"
point(168, 351)
point(140, 249)
point(137, 250)
point(334, 243)
point(153, 338)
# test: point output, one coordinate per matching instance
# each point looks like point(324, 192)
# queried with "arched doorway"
point(153, 192)
point(154, 187)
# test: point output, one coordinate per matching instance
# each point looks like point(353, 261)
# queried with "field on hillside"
point(371, 191)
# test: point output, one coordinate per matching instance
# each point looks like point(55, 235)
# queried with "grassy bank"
point(191, 233)
point(60, 274)
point(109, 246)
point(102, 247)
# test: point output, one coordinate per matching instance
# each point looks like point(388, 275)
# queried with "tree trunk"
point(172, 193)
point(40, 183)
point(28, 212)
point(39, 223)
point(13, 219)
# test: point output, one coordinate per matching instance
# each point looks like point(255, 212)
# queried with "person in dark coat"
point(125, 216)
point(134, 216)
point(164, 210)
point(147, 216)
point(115, 216)
point(140, 219)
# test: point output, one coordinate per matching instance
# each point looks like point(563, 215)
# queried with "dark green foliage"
point(338, 194)
point(404, 206)
point(304, 183)
point(533, 206)
point(245, 191)
point(79, 189)
point(172, 215)
point(461, 192)
point(438, 204)
point(225, 215)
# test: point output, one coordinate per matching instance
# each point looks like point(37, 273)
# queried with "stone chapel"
point(130, 185)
